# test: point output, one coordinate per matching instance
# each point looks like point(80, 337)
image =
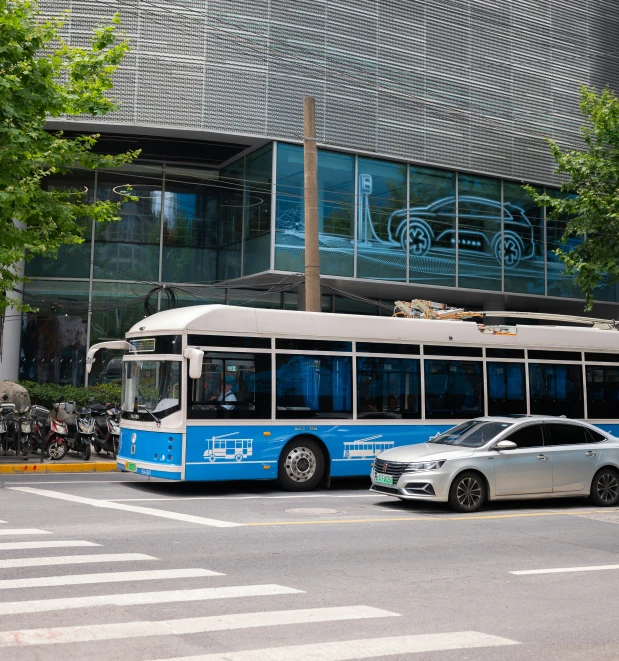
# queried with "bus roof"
point(242, 321)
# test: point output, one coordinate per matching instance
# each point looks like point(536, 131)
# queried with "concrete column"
point(11, 336)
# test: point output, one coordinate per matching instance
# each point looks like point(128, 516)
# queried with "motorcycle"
point(56, 439)
point(7, 425)
point(80, 427)
point(107, 424)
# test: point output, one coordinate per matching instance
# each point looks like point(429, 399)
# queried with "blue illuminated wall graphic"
point(444, 211)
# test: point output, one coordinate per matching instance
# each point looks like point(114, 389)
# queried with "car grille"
point(384, 489)
point(393, 468)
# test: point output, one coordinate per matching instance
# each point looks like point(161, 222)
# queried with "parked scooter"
point(56, 439)
point(8, 428)
point(80, 427)
point(107, 422)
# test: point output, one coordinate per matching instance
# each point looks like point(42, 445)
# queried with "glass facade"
point(198, 229)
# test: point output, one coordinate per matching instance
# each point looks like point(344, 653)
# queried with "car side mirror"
point(505, 445)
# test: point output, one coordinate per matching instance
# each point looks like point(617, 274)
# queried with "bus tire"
point(301, 465)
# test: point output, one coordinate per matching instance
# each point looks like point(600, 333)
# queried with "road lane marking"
point(564, 570)
point(23, 531)
point(2, 521)
point(164, 514)
point(141, 598)
point(47, 561)
point(368, 648)
point(15, 546)
point(108, 577)
point(140, 629)
point(411, 518)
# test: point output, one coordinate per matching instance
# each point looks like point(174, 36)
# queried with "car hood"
point(419, 451)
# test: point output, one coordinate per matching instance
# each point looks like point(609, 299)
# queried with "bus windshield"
point(153, 384)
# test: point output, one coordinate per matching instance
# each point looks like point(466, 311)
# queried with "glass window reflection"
point(431, 229)
point(381, 194)
point(53, 340)
point(73, 261)
point(479, 232)
point(231, 221)
point(129, 248)
point(258, 174)
point(289, 221)
point(559, 284)
point(190, 223)
point(523, 241)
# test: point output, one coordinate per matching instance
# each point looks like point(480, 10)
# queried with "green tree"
point(589, 203)
point(42, 77)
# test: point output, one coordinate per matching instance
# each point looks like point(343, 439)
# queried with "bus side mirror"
point(195, 357)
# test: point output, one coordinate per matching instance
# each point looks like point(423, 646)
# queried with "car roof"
point(523, 417)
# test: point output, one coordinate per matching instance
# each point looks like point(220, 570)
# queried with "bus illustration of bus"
point(366, 448)
point(225, 447)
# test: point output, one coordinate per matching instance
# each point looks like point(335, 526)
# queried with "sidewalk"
point(72, 463)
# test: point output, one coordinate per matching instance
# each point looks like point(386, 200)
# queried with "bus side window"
point(236, 386)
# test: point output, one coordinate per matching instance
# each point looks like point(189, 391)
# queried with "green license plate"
point(131, 466)
point(379, 478)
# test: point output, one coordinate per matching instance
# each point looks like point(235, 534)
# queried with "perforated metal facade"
point(471, 84)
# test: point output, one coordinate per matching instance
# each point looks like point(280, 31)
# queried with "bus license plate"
point(383, 479)
point(131, 466)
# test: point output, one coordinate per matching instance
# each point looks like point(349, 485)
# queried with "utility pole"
point(310, 161)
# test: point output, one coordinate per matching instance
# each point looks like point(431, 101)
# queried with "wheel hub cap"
point(300, 464)
point(607, 487)
point(469, 492)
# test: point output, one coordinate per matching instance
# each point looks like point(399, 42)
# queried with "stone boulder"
point(15, 393)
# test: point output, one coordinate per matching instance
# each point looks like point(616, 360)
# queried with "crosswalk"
point(135, 615)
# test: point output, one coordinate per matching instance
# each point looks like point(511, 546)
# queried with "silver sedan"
point(503, 458)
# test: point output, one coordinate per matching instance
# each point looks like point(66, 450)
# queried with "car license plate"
point(379, 478)
point(131, 466)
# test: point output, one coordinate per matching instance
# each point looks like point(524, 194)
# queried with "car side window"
point(530, 436)
point(559, 434)
point(595, 436)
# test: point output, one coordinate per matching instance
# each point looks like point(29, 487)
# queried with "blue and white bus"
point(230, 393)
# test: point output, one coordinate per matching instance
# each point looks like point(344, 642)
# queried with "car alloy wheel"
point(467, 492)
point(607, 488)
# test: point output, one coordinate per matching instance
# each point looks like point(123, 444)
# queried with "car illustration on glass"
point(479, 228)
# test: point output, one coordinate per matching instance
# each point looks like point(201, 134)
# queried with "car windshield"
point(155, 384)
point(472, 434)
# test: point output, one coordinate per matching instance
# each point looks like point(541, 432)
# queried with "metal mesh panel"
point(459, 83)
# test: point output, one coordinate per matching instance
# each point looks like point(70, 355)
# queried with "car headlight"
point(425, 465)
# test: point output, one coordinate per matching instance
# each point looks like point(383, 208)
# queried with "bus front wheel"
point(301, 465)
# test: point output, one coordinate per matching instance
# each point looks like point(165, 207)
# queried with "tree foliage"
point(42, 77)
point(589, 202)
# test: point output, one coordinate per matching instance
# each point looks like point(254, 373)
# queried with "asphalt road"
point(116, 567)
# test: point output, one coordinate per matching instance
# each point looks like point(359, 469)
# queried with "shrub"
point(46, 394)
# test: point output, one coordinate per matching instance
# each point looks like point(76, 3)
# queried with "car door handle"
point(590, 453)
point(541, 457)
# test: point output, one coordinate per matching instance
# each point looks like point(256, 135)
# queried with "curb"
point(48, 467)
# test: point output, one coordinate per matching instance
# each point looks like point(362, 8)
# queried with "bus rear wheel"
point(301, 465)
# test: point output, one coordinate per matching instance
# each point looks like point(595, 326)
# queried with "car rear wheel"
point(605, 488)
point(301, 465)
point(467, 492)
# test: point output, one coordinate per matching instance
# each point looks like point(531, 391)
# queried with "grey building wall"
point(470, 84)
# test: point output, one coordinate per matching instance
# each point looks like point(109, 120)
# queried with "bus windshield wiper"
point(152, 415)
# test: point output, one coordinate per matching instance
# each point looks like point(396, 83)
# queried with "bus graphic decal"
point(228, 448)
point(366, 448)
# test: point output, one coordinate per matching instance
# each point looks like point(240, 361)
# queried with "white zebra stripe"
point(141, 598)
point(108, 577)
point(368, 648)
point(139, 629)
point(52, 561)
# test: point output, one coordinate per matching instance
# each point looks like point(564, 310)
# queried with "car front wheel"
point(467, 492)
point(605, 488)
